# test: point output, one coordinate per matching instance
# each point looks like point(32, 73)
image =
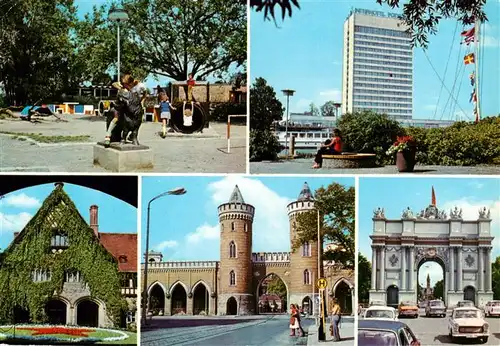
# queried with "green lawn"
point(47, 139)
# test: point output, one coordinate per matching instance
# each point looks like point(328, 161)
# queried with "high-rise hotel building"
point(377, 69)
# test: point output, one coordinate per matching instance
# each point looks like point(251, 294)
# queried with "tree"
point(336, 206)
point(329, 109)
point(313, 109)
point(422, 17)
point(419, 292)
point(265, 109)
point(495, 278)
point(276, 286)
point(364, 277)
point(439, 290)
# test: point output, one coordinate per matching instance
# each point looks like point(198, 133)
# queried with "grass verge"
point(38, 137)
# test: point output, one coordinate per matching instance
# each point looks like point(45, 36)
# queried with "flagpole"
point(477, 43)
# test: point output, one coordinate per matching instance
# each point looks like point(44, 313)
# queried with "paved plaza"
point(178, 153)
point(346, 330)
point(303, 166)
point(434, 330)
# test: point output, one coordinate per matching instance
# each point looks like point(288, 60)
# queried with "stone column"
point(374, 267)
point(403, 268)
point(452, 269)
point(411, 285)
point(189, 306)
point(460, 261)
point(382, 268)
point(488, 269)
point(480, 269)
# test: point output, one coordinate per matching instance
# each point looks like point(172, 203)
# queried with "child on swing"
point(165, 116)
point(188, 120)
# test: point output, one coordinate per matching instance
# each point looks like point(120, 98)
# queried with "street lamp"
point(287, 93)
point(118, 15)
point(321, 310)
point(176, 192)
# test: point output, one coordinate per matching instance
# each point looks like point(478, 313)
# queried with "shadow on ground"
point(182, 323)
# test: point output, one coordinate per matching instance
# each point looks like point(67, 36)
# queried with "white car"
point(492, 308)
point(377, 303)
point(381, 313)
point(468, 322)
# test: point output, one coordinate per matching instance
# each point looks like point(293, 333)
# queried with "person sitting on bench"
point(331, 147)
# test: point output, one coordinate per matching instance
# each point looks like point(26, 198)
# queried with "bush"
point(222, 110)
point(369, 132)
point(263, 145)
point(3, 101)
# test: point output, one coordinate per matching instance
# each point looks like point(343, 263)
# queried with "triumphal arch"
point(461, 247)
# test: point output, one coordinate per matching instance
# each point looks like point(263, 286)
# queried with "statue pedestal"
point(120, 157)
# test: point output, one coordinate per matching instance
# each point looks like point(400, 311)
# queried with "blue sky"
point(305, 54)
point(18, 207)
point(186, 227)
point(86, 6)
point(395, 194)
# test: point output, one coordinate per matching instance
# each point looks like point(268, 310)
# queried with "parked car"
point(468, 322)
point(422, 304)
point(377, 303)
point(435, 308)
point(388, 333)
point(408, 309)
point(492, 308)
point(381, 313)
point(465, 304)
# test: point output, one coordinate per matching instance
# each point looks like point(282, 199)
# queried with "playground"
point(64, 144)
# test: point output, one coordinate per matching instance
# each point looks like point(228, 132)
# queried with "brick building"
point(231, 286)
point(61, 270)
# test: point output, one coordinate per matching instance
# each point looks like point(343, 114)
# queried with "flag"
point(468, 33)
point(476, 114)
point(469, 59)
point(472, 79)
point(473, 97)
point(468, 40)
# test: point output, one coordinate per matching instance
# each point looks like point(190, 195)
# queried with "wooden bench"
point(349, 160)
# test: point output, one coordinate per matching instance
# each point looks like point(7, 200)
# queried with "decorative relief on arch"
point(469, 260)
point(432, 252)
point(393, 260)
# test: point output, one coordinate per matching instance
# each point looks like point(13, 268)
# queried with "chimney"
point(93, 219)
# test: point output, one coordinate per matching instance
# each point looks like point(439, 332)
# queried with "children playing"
point(165, 116)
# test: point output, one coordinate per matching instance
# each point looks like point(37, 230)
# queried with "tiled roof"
point(123, 247)
point(236, 196)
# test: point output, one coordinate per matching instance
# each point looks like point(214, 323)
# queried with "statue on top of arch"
point(455, 213)
point(407, 214)
point(379, 213)
point(484, 213)
point(432, 213)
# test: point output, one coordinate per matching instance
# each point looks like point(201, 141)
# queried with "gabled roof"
point(236, 196)
point(123, 247)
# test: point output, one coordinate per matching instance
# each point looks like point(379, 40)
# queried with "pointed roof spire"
point(305, 194)
point(236, 196)
point(428, 281)
point(433, 200)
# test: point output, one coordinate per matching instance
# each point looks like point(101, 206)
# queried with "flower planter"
point(405, 160)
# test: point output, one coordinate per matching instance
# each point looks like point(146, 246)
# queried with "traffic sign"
point(322, 283)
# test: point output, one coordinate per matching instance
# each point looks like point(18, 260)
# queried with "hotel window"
point(232, 226)
point(59, 241)
point(232, 250)
point(232, 278)
point(72, 276)
point(306, 250)
point(245, 227)
point(307, 277)
point(40, 275)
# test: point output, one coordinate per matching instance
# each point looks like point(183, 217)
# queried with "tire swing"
point(188, 117)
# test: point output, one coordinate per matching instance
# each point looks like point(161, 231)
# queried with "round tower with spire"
point(304, 260)
point(235, 275)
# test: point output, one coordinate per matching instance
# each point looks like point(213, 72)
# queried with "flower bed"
point(50, 333)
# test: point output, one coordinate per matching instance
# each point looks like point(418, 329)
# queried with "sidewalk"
point(346, 333)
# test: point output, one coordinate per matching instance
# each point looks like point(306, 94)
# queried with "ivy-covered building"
point(61, 270)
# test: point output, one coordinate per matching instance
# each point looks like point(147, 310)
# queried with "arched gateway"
point(461, 248)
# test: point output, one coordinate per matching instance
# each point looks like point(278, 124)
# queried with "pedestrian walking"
point(294, 320)
point(165, 107)
point(335, 320)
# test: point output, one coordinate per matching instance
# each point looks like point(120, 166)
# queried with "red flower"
point(405, 139)
point(58, 330)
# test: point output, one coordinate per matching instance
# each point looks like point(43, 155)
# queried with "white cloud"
point(13, 222)
point(271, 228)
point(22, 201)
point(166, 245)
point(331, 95)
point(202, 233)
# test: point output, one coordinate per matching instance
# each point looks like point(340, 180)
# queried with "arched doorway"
point(179, 300)
point(431, 279)
point(393, 296)
point(21, 315)
point(307, 305)
point(200, 300)
point(56, 312)
point(342, 292)
point(470, 294)
point(157, 300)
point(272, 294)
point(231, 306)
point(87, 314)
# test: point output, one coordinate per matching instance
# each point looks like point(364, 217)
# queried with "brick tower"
point(235, 275)
point(304, 260)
